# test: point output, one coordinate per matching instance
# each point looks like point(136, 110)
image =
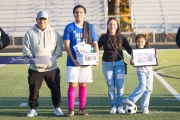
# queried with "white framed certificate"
point(144, 57)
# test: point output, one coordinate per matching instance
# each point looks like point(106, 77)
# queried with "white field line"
point(174, 92)
point(10, 53)
point(169, 99)
point(2, 65)
point(23, 104)
point(41, 99)
point(26, 104)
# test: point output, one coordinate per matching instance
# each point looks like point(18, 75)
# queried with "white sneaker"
point(32, 113)
point(58, 111)
point(120, 110)
point(113, 110)
point(146, 112)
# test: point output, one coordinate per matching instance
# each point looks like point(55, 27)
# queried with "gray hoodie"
point(43, 43)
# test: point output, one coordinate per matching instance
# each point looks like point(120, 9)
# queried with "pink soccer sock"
point(71, 97)
point(82, 96)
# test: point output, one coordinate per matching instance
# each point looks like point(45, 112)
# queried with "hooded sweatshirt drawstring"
point(43, 35)
point(45, 38)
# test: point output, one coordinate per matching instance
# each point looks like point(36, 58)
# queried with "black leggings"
point(52, 79)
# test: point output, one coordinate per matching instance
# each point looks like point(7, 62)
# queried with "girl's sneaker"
point(146, 112)
point(120, 110)
point(113, 110)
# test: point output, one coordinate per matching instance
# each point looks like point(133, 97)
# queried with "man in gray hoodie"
point(43, 41)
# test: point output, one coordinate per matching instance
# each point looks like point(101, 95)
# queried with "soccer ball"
point(131, 109)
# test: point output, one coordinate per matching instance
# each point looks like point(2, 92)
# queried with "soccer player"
point(77, 75)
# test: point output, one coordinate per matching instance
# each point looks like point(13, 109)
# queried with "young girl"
point(145, 77)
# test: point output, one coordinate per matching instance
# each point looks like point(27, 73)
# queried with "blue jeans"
point(143, 89)
point(114, 74)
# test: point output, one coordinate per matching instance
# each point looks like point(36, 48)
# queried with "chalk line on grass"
point(23, 104)
point(170, 99)
point(2, 65)
point(174, 92)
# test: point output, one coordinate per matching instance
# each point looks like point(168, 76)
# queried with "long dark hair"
point(142, 36)
point(118, 37)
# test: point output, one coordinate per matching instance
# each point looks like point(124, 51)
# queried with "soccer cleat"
point(82, 112)
point(58, 111)
point(70, 113)
point(32, 113)
point(113, 110)
point(120, 110)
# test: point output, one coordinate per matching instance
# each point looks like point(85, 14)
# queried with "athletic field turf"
point(164, 103)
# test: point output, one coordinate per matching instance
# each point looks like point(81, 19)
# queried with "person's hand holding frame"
point(145, 57)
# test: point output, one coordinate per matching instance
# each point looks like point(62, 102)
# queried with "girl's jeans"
point(144, 89)
point(114, 75)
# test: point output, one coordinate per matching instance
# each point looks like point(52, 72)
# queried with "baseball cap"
point(43, 14)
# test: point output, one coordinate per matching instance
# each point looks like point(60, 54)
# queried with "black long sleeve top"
point(4, 38)
point(178, 38)
point(110, 54)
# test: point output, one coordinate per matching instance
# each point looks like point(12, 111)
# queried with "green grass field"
point(163, 105)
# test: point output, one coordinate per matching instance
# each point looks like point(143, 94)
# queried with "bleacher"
point(159, 16)
point(17, 16)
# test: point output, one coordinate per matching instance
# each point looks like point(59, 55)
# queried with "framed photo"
point(144, 57)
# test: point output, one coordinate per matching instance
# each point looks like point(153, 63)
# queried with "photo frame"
point(144, 57)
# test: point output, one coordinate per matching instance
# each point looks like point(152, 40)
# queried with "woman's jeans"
point(143, 90)
point(114, 74)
